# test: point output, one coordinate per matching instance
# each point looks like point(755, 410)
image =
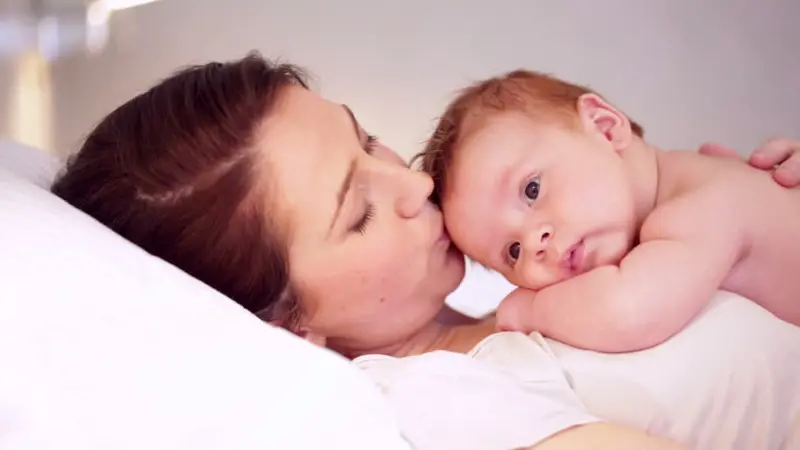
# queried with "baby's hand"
point(516, 311)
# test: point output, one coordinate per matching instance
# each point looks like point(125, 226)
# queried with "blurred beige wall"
point(28, 100)
point(6, 72)
point(690, 71)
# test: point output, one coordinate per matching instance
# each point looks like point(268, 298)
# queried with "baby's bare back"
point(768, 271)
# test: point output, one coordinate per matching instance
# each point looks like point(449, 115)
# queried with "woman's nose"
point(413, 190)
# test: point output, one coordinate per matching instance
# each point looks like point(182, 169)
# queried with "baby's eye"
point(513, 251)
point(532, 188)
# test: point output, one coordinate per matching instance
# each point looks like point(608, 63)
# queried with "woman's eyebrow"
point(356, 126)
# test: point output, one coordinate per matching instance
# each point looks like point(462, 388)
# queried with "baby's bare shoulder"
point(693, 214)
point(690, 174)
point(705, 192)
point(681, 170)
point(696, 192)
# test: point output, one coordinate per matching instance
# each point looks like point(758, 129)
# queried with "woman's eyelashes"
point(369, 210)
point(361, 225)
point(372, 142)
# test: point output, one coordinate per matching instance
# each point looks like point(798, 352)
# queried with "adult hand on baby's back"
point(780, 154)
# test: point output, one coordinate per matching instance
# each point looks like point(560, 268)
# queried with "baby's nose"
point(533, 266)
point(537, 241)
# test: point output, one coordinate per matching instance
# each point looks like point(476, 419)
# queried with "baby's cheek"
point(462, 234)
point(534, 275)
point(613, 250)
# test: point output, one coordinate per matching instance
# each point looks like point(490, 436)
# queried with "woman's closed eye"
point(371, 143)
point(360, 226)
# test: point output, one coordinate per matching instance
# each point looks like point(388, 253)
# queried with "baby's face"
point(538, 203)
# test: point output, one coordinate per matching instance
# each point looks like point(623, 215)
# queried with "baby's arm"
point(688, 246)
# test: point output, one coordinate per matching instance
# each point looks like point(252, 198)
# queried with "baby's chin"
point(537, 285)
point(606, 251)
point(540, 286)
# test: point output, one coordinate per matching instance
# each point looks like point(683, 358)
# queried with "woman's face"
point(367, 251)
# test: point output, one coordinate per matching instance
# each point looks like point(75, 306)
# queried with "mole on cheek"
point(383, 299)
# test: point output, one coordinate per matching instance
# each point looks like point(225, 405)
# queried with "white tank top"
point(730, 380)
point(508, 393)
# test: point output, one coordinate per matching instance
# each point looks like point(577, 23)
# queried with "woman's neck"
point(449, 331)
point(452, 338)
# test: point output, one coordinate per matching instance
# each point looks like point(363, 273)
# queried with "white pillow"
point(31, 164)
point(480, 292)
point(104, 346)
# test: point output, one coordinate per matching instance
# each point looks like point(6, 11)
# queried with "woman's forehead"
point(297, 132)
point(307, 144)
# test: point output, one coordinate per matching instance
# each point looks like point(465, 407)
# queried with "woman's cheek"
point(394, 265)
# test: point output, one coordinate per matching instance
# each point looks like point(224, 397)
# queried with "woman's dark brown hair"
point(176, 172)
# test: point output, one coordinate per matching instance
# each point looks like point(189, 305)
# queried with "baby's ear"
point(600, 117)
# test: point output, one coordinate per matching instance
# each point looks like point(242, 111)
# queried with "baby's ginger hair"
point(542, 96)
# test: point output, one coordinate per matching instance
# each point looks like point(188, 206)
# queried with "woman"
point(242, 177)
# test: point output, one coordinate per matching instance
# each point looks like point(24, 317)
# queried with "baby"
point(615, 244)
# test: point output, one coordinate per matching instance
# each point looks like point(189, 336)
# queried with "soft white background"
point(690, 71)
